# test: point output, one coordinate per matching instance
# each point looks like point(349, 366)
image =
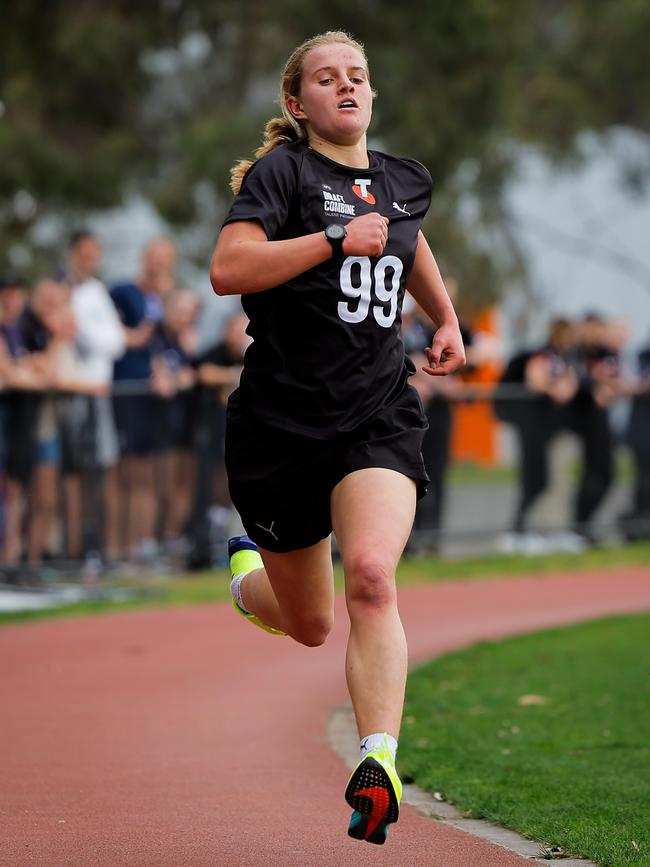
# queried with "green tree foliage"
point(108, 96)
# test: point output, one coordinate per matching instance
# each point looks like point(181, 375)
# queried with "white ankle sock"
point(235, 589)
point(378, 741)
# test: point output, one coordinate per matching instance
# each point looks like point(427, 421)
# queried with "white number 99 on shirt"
point(358, 280)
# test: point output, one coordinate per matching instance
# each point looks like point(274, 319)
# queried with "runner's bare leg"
point(372, 514)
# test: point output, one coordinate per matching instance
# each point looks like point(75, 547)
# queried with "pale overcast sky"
point(586, 236)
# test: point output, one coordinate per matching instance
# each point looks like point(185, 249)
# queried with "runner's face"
point(335, 100)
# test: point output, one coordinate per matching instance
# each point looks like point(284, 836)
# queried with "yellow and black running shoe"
point(374, 791)
point(244, 557)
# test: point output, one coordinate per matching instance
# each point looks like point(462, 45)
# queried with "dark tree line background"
point(105, 97)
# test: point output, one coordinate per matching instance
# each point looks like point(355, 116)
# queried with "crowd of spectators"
point(575, 382)
point(572, 383)
point(112, 420)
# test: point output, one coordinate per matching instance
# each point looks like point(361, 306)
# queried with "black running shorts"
point(281, 482)
point(137, 420)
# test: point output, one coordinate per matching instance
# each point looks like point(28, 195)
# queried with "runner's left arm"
point(425, 284)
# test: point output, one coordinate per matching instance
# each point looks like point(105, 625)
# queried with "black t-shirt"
point(327, 352)
point(218, 355)
point(35, 335)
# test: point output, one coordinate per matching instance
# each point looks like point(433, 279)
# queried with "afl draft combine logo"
point(360, 189)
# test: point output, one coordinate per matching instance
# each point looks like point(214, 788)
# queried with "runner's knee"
point(370, 584)
point(311, 631)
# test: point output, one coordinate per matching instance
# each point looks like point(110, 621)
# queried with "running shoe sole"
point(371, 793)
point(358, 828)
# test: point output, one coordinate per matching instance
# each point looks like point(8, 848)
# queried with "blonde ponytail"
point(276, 132)
point(286, 128)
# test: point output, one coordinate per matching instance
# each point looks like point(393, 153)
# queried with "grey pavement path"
point(476, 516)
point(187, 737)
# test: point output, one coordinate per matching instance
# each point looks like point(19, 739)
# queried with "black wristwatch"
point(336, 234)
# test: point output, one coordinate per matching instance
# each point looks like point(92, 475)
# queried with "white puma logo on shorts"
point(268, 530)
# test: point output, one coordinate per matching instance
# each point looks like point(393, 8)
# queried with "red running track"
point(188, 737)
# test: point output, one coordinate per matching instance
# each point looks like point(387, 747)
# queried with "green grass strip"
point(418, 569)
point(462, 473)
point(547, 734)
point(114, 596)
point(202, 587)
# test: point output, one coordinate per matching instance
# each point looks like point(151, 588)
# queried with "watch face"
point(335, 232)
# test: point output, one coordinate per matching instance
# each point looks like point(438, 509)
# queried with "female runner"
point(324, 432)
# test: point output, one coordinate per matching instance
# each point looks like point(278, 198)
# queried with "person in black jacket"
point(217, 373)
point(599, 385)
point(437, 396)
point(540, 385)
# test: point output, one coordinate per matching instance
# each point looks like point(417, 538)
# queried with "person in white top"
point(100, 334)
point(92, 436)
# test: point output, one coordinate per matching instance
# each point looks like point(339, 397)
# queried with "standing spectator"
point(218, 372)
point(598, 366)
point(89, 433)
point(436, 395)
point(174, 349)
point(158, 278)
point(49, 331)
point(636, 524)
point(13, 298)
point(547, 383)
point(132, 512)
point(20, 401)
